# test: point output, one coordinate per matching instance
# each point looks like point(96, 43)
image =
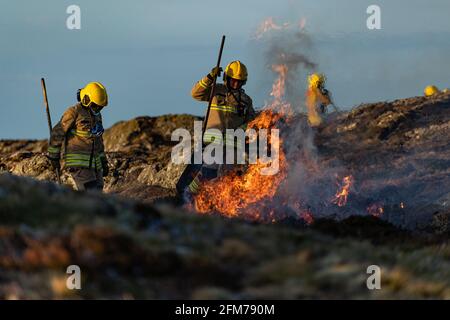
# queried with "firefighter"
point(231, 108)
point(78, 138)
point(317, 98)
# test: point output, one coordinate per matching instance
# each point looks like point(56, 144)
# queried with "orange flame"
point(303, 213)
point(247, 193)
point(307, 217)
point(340, 199)
point(229, 195)
point(278, 88)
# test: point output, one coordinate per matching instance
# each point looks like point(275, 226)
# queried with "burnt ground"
point(130, 243)
point(398, 152)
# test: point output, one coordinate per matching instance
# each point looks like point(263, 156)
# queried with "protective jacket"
point(78, 136)
point(318, 98)
point(230, 109)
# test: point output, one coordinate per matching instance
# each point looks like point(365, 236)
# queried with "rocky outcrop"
point(397, 152)
point(138, 151)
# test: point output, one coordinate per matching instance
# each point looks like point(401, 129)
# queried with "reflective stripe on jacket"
point(230, 109)
point(82, 160)
point(223, 139)
point(81, 133)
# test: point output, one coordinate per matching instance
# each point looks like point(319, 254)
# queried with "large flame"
point(250, 194)
point(232, 194)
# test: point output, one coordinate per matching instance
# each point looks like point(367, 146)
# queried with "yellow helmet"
point(94, 92)
point(430, 90)
point(236, 70)
point(316, 80)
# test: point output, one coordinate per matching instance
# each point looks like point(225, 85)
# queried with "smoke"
point(288, 45)
point(312, 182)
point(309, 186)
point(303, 188)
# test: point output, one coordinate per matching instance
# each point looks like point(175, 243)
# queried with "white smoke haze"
point(309, 186)
point(290, 45)
point(312, 183)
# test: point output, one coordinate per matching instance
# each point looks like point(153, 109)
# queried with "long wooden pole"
point(211, 96)
point(49, 120)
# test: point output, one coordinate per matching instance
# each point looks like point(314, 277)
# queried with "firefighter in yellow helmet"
point(78, 138)
point(430, 90)
point(231, 108)
point(317, 98)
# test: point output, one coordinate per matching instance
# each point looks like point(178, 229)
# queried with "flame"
point(229, 195)
point(303, 213)
point(278, 92)
point(279, 86)
point(307, 217)
point(249, 194)
point(376, 210)
point(232, 193)
point(268, 25)
point(340, 199)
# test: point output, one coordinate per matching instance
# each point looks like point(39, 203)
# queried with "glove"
point(56, 165)
point(215, 72)
point(105, 167)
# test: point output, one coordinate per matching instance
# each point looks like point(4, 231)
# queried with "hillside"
point(135, 241)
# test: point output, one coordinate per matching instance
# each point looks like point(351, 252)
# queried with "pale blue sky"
point(149, 53)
